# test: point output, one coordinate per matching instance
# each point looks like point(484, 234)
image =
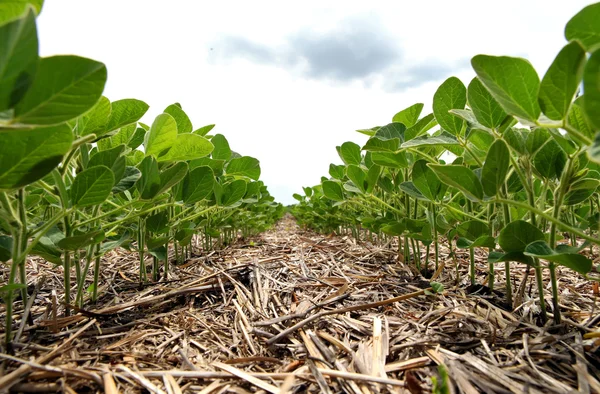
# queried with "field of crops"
point(455, 251)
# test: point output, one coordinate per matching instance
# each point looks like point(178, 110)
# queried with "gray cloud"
point(358, 49)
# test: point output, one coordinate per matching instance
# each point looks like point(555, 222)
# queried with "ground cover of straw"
point(295, 311)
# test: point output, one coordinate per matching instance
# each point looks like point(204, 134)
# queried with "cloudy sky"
point(288, 81)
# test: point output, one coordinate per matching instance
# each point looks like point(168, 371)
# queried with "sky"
point(286, 82)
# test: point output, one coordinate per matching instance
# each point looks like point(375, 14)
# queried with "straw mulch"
point(294, 311)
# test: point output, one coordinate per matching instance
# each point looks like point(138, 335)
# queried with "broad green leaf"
point(516, 139)
point(64, 88)
point(373, 175)
point(485, 241)
point(424, 124)
point(443, 140)
point(565, 143)
point(233, 192)
point(394, 229)
point(94, 121)
point(92, 186)
point(198, 184)
point(157, 223)
point(358, 176)
point(350, 153)
point(130, 176)
point(425, 180)
point(244, 166)
point(222, 150)
point(473, 229)
point(591, 87)
point(519, 257)
point(187, 147)
point(579, 121)
point(452, 94)
point(584, 27)
point(410, 189)
point(337, 171)
point(184, 125)
point(517, 235)
point(112, 159)
point(512, 81)
point(460, 177)
point(149, 183)
point(468, 116)
point(162, 135)
point(576, 262)
point(375, 144)
point(486, 109)
point(550, 160)
point(47, 246)
point(495, 168)
point(18, 59)
point(391, 131)
point(537, 139)
point(28, 155)
point(80, 241)
point(202, 131)
point(125, 112)
point(172, 176)
point(581, 190)
point(14, 9)
point(389, 159)
point(593, 151)
point(333, 191)
point(409, 116)
point(6, 245)
point(134, 158)
point(561, 81)
point(216, 165)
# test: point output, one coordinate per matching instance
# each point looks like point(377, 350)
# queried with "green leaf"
point(47, 246)
point(149, 183)
point(410, 189)
point(373, 175)
point(198, 184)
point(409, 116)
point(579, 121)
point(468, 116)
point(358, 176)
point(134, 158)
point(6, 244)
point(485, 241)
point(591, 87)
point(14, 9)
point(202, 131)
point(28, 155)
point(395, 229)
point(162, 135)
point(576, 262)
point(77, 242)
point(584, 27)
point(550, 160)
point(350, 153)
point(391, 131)
point(460, 177)
point(130, 176)
point(112, 159)
point(375, 144)
point(333, 191)
point(184, 125)
point(444, 139)
point(18, 59)
point(64, 88)
point(516, 139)
point(233, 192)
point(95, 121)
point(187, 147)
point(436, 287)
point(452, 94)
point(512, 81)
point(425, 180)
point(125, 112)
point(172, 176)
point(519, 257)
point(244, 166)
point(388, 159)
point(157, 223)
point(581, 190)
point(486, 109)
point(337, 172)
point(561, 81)
point(495, 167)
point(222, 150)
point(421, 127)
point(92, 186)
point(473, 229)
point(517, 235)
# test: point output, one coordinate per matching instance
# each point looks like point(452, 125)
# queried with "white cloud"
point(160, 52)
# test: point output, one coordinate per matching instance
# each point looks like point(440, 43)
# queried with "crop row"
point(81, 176)
point(522, 181)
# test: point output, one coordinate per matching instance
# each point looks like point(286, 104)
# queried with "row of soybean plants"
point(508, 164)
point(81, 176)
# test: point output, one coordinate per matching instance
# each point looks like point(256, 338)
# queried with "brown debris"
point(294, 311)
